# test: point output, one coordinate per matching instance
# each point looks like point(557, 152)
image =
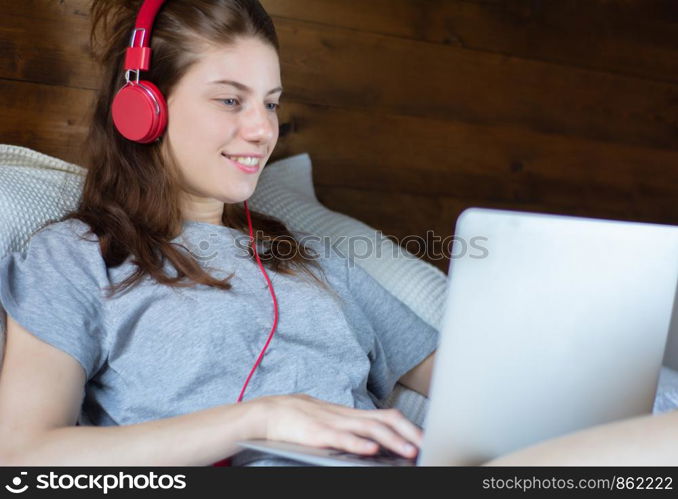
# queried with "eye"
point(225, 100)
point(274, 109)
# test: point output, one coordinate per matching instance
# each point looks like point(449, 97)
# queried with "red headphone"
point(140, 114)
point(139, 108)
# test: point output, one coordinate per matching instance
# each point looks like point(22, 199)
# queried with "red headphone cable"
point(227, 461)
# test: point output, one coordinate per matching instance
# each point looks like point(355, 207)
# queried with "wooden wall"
point(413, 110)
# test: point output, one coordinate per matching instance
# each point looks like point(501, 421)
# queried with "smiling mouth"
point(245, 168)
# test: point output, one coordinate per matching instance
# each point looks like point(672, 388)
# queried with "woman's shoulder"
point(72, 231)
point(56, 265)
point(67, 246)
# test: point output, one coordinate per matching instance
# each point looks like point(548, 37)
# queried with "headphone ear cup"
point(140, 112)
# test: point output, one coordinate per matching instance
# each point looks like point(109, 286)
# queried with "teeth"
point(245, 160)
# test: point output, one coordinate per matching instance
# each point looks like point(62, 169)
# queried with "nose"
point(259, 123)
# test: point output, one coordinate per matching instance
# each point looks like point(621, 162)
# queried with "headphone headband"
point(139, 57)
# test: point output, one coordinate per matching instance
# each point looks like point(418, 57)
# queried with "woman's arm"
point(198, 439)
point(41, 389)
point(419, 378)
point(642, 441)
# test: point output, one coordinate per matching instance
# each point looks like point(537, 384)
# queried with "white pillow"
point(35, 188)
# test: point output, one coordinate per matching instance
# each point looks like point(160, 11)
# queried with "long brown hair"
point(131, 192)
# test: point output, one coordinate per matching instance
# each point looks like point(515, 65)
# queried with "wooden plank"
point(407, 214)
point(631, 37)
point(323, 65)
point(46, 9)
point(352, 69)
point(49, 119)
point(408, 218)
point(47, 42)
point(498, 163)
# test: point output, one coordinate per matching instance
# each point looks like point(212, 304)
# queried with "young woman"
point(144, 311)
point(145, 314)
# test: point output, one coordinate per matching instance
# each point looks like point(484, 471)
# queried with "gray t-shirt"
point(156, 352)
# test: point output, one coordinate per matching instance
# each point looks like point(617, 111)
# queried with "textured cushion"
point(35, 188)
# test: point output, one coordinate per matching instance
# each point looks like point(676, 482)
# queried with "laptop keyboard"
point(382, 456)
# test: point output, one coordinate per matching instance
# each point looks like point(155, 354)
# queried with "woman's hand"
point(305, 420)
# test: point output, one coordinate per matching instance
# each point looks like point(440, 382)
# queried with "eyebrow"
point(242, 87)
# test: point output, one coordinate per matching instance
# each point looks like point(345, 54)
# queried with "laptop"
point(552, 324)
